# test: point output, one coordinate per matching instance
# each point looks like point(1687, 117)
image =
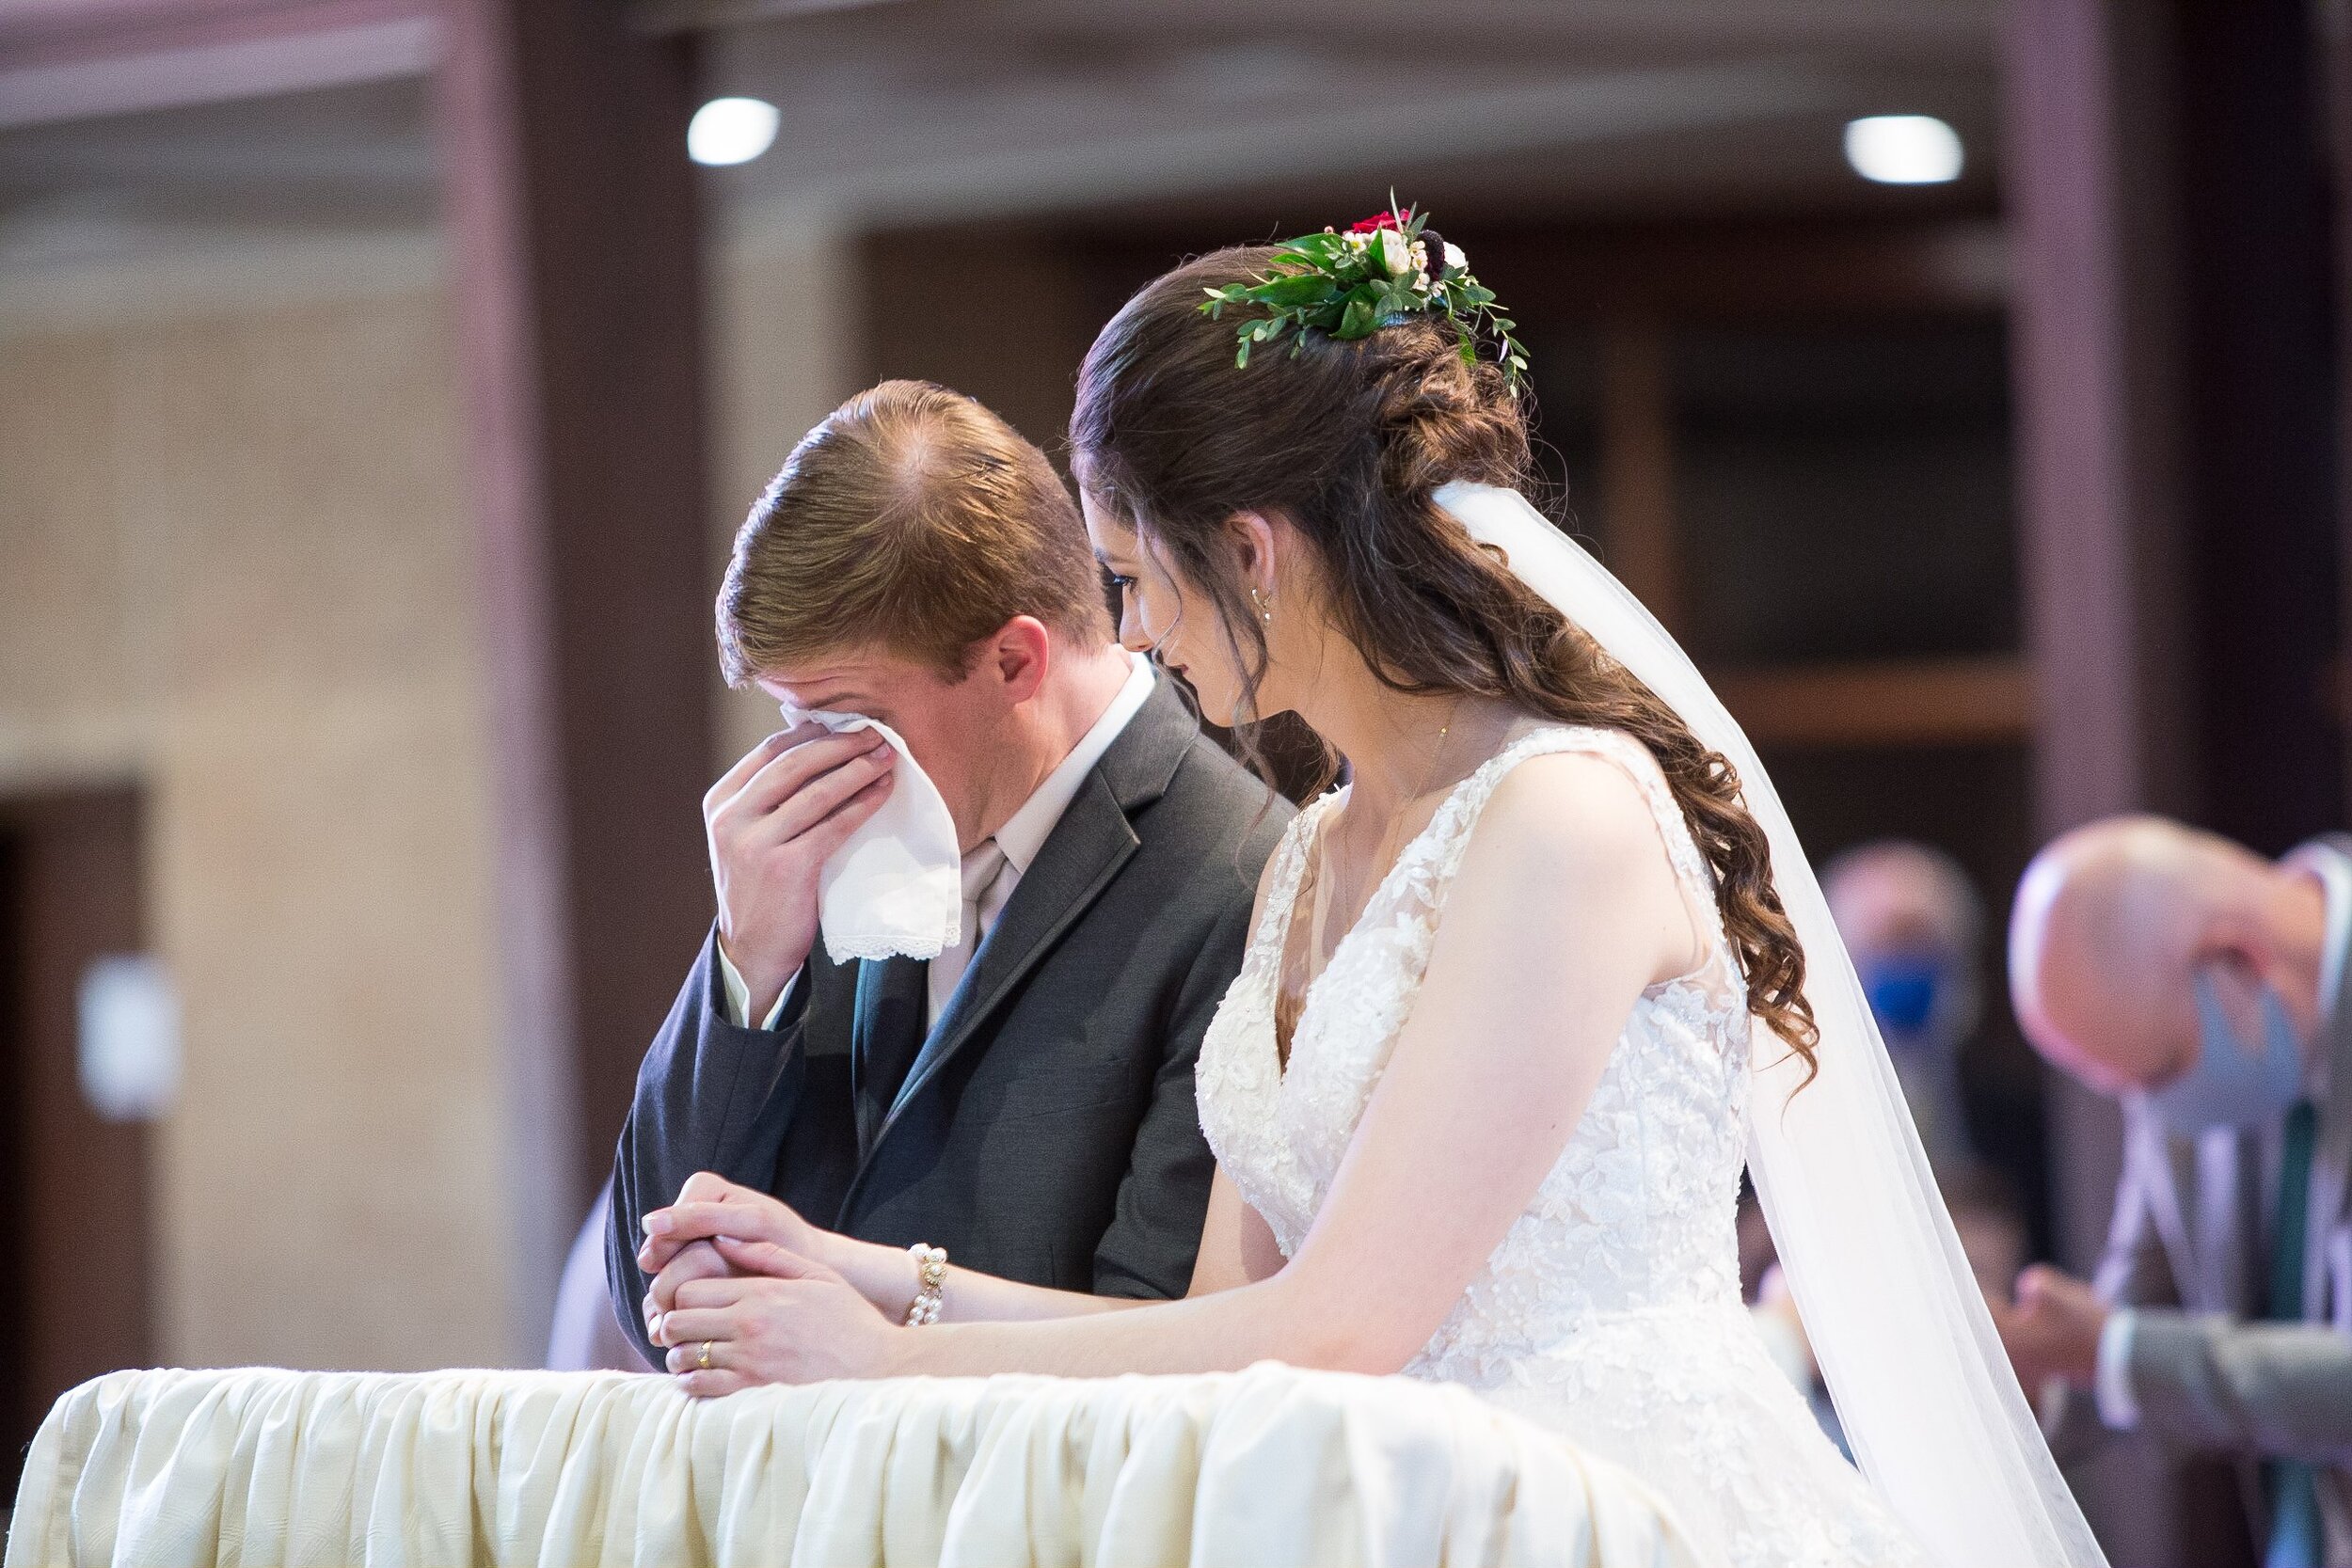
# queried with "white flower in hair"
point(1382, 272)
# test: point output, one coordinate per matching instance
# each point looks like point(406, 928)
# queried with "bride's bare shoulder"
point(1576, 811)
point(1568, 857)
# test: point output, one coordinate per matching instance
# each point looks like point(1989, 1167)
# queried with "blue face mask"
point(2236, 1082)
point(1904, 991)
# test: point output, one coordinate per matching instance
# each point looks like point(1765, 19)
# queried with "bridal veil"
point(1923, 1388)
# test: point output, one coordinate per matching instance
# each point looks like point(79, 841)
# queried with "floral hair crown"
point(1383, 271)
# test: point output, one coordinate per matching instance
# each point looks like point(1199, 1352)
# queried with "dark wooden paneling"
point(2336, 89)
point(1945, 702)
point(577, 239)
point(1637, 466)
point(1697, 270)
point(1844, 490)
point(2260, 384)
point(80, 1284)
point(2094, 350)
point(1001, 312)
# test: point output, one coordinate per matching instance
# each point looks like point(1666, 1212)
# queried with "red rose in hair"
point(1373, 225)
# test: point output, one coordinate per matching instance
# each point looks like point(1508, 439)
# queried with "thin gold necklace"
point(1290, 1001)
point(1428, 781)
point(1391, 844)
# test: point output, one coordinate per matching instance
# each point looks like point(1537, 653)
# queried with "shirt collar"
point(1024, 832)
point(2334, 872)
point(2333, 869)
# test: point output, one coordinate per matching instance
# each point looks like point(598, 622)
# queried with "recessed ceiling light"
point(1903, 150)
point(731, 131)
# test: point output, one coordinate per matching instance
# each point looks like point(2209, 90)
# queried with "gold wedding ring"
point(703, 1361)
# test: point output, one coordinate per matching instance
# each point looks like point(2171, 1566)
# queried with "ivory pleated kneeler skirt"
point(1271, 1466)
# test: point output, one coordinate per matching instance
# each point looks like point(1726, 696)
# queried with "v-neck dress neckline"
point(1303, 849)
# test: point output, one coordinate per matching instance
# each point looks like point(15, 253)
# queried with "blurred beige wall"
point(784, 312)
point(241, 576)
point(239, 571)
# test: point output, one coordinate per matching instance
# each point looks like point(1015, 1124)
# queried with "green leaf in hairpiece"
point(1293, 289)
point(1383, 271)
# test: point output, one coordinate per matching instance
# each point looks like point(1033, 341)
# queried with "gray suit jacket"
point(2190, 1249)
point(1047, 1131)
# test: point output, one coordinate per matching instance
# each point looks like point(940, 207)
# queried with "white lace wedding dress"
point(1610, 1313)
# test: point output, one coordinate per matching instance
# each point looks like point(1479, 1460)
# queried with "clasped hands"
point(746, 1292)
point(2052, 1331)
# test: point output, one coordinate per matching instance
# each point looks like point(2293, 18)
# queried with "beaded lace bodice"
point(1638, 1212)
point(1611, 1312)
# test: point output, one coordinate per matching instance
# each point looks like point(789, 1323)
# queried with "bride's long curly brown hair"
point(1347, 440)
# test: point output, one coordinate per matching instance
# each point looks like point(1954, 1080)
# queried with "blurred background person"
point(1915, 926)
point(2201, 984)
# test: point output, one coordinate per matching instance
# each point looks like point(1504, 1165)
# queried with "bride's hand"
point(709, 1207)
point(804, 1325)
point(698, 1261)
point(678, 1240)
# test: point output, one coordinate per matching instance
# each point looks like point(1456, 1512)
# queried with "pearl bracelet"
point(931, 1280)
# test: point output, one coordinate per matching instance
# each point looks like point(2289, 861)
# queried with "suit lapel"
point(2332, 1182)
point(1085, 849)
point(1088, 846)
point(2175, 1164)
point(2229, 1168)
point(2332, 1157)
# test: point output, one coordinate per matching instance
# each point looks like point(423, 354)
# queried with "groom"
point(1025, 1100)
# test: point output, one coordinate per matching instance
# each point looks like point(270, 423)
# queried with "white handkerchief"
point(897, 886)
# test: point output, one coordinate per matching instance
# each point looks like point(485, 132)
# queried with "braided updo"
point(1348, 440)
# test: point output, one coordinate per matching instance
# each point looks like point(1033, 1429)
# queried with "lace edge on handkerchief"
point(844, 949)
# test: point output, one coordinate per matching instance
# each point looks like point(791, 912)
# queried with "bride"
point(1520, 1001)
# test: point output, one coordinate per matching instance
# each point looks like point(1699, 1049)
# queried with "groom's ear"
point(1016, 657)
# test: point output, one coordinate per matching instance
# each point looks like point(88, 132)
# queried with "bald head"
point(2112, 922)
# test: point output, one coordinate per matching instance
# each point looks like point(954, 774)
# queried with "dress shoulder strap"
point(1448, 838)
point(1287, 867)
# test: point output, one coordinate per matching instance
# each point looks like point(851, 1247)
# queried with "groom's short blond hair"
point(911, 520)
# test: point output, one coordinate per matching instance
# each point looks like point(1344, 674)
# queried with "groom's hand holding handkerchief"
point(828, 825)
point(775, 821)
point(894, 887)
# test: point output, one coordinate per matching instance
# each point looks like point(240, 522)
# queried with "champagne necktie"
point(981, 868)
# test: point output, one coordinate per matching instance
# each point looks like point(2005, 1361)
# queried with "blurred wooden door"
point(78, 1291)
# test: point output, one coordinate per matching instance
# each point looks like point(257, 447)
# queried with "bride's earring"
point(1265, 606)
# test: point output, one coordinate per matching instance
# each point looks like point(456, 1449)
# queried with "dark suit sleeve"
point(710, 1097)
point(1164, 1199)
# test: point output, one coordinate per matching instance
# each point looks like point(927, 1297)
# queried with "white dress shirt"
point(2118, 1406)
point(1019, 842)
